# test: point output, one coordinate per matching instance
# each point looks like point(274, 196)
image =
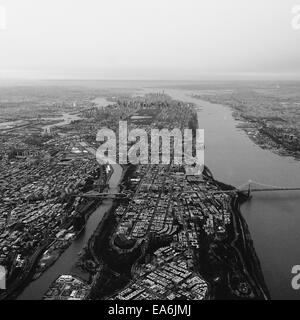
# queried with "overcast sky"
point(148, 39)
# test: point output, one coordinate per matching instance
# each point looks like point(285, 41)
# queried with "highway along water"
point(273, 217)
point(66, 262)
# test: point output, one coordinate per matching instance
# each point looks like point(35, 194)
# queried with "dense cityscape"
point(149, 156)
point(170, 234)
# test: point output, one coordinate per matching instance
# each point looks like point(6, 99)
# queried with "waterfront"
point(273, 217)
point(66, 118)
point(66, 262)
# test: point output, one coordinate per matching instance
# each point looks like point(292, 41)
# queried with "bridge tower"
point(249, 188)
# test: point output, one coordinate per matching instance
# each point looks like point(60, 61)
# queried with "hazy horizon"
point(179, 40)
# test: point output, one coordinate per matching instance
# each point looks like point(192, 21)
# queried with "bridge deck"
point(255, 190)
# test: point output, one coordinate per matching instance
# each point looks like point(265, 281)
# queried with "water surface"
point(66, 262)
point(273, 217)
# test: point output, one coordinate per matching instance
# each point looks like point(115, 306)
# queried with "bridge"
point(103, 195)
point(250, 187)
point(264, 187)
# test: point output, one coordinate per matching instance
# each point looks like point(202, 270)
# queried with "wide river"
point(273, 217)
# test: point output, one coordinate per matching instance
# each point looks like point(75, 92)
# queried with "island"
point(170, 233)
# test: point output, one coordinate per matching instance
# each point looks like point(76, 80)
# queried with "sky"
point(148, 39)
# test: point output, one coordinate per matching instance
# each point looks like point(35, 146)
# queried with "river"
point(273, 217)
point(66, 118)
point(66, 262)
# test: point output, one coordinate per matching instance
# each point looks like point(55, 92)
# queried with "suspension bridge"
point(254, 186)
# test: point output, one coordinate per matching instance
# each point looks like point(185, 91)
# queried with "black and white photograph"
point(149, 150)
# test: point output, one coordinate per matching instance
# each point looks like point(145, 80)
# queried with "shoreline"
point(33, 274)
point(247, 253)
point(244, 247)
point(235, 210)
point(253, 261)
point(30, 275)
point(262, 138)
point(91, 242)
